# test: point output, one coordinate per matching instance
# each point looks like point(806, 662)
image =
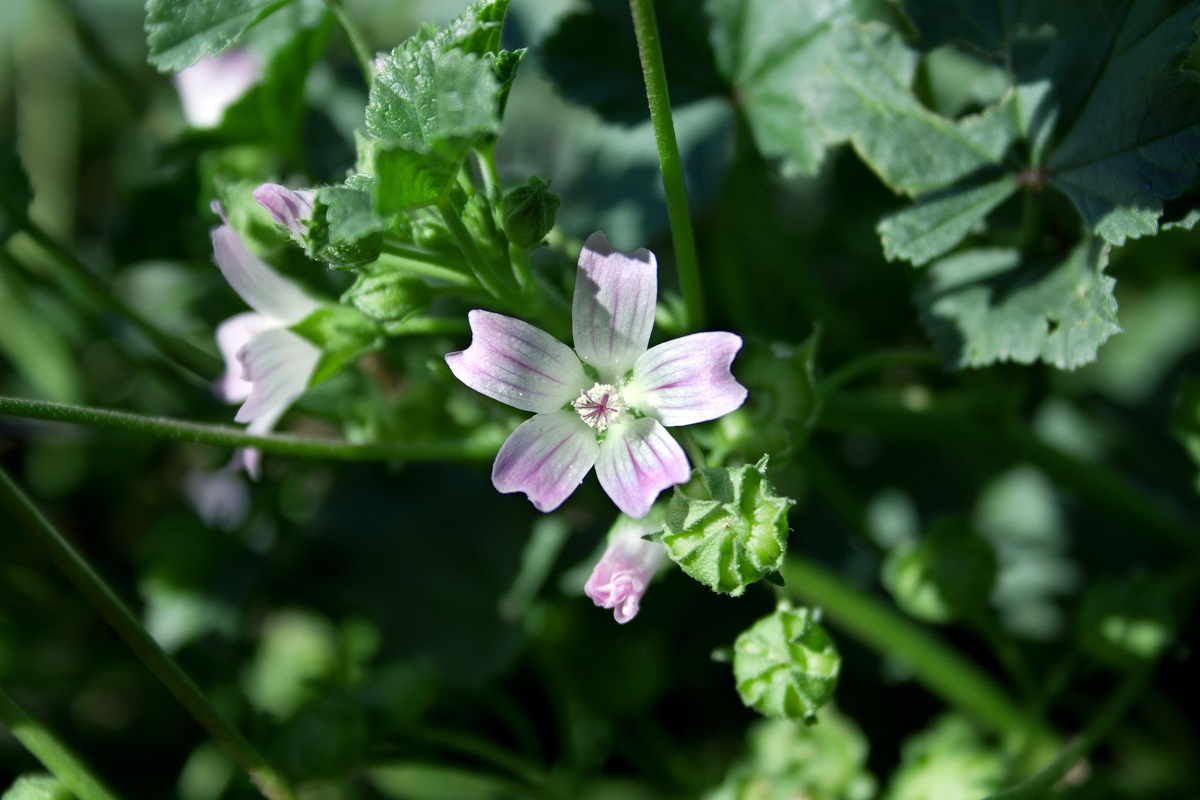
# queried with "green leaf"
point(424, 95)
point(940, 220)
point(36, 786)
point(988, 305)
point(342, 333)
point(592, 58)
point(476, 29)
point(786, 664)
point(343, 232)
point(772, 53)
point(179, 32)
point(15, 190)
point(412, 177)
point(1135, 138)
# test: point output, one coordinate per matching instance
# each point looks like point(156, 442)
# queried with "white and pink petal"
point(612, 313)
point(263, 289)
point(687, 380)
point(279, 365)
point(547, 457)
point(625, 570)
point(232, 336)
point(518, 364)
point(638, 459)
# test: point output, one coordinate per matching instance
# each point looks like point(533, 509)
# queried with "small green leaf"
point(988, 305)
point(940, 220)
point(727, 528)
point(388, 296)
point(786, 665)
point(179, 32)
point(528, 212)
point(343, 232)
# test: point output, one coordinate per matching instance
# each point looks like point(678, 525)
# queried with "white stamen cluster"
point(600, 406)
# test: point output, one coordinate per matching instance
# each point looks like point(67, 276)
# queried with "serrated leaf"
point(1135, 139)
point(179, 32)
point(592, 57)
point(476, 29)
point(940, 220)
point(411, 177)
point(423, 95)
point(988, 305)
point(770, 51)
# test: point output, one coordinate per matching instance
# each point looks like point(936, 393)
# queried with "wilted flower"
point(214, 83)
point(626, 569)
point(267, 366)
point(605, 403)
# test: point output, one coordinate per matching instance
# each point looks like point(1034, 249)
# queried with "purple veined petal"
point(687, 380)
point(625, 570)
point(547, 457)
point(638, 459)
point(518, 364)
point(232, 336)
point(263, 289)
point(279, 364)
point(612, 313)
point(214, 83)
point(292, 209)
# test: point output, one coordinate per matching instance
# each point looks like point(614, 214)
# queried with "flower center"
point(600, 406)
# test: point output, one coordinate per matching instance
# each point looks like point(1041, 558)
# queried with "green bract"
point(528, 212)
point(786, 664)
point(726, 527)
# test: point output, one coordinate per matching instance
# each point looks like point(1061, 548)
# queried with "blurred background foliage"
point(408, 627)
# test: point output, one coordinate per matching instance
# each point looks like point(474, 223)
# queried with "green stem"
point(201, 363)
point(479, 449)
point(405, 260)
point(686, 261)
point(694, 453)
point(358, 43)
point(1041, 784)
point(63, 764)
point(1100, 489)
point(270, 783)
point(934, 664)
point(419, 326)
point(466, 243)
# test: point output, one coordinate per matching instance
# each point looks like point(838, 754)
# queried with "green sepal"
point(947, 575)
point(343, 232)
point(786, 664)
point(1126, 623)
point(342, 333)
point(388, 297)
point(726, 527)
point(528, 213)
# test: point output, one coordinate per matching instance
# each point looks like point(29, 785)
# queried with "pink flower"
point(212, 84)
point(605, 403)
point(267, 366)
point(626, 569)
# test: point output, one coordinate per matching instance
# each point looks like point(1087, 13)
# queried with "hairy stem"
point(55, 756)
point(686, 260)
point(466, 243)
point(478, 449)
point(270, 783)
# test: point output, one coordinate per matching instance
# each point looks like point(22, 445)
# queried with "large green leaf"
point(179, 32)
point(988, 305)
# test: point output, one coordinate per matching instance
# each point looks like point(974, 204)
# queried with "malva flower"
point(208, 87)
point(605, 403)
point(267, 366)
point(626, 569)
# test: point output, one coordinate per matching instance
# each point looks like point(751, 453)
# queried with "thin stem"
point(874, 362)
point(1100, 489)
point(934, 664)
point(358, 43)
point(429, 325)
point(477, 449)
point(400, 258)
point(1040, 784)
point(686, 260)
point(270, 783)
point(63, 764)
point(466, 243)
point(203, 364)
point(694, 453)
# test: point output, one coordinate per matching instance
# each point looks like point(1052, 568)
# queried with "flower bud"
point(726, 527)
point(528, 213)
point(388, 297)
point(786, 664)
